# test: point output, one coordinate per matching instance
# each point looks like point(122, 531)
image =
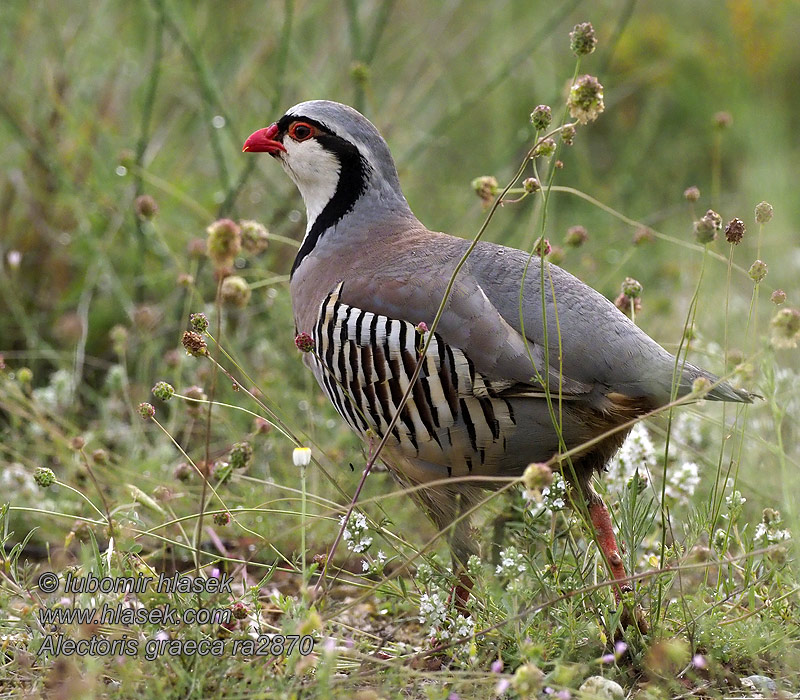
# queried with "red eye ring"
point(301, 131)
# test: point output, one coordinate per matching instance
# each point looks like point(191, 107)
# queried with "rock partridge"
point(368, 274)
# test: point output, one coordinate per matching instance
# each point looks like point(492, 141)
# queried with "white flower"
point(554, 495)
point(636, 454)
point(682, 482)
point(512, 563)
point(355, 534)
point(301, 456)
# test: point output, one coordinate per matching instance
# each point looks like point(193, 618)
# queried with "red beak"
point(263, 141)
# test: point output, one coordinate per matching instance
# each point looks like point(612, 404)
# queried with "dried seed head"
point(77, 443)
point(582, 39)
point(224, 242)
point(196, 248)
point(255, 236)
point(734, 231)
point(100, 456)
point(194, 344)
point(145, 206)
point(163, 391)
point(240, 610)
point(705, 230)
point(118, 336)
point(545, 148)
point(568, 132)
point(758, 271)
point(785, 328)
point(44, 477)
point(183, 472)
point(778, 297)
point(576, 236)
point(556, 255)
point(241, 455)
point(536, 476)
point(486, 187)
point(642, 235)
point(723, 120)
point(531, 185)
point(691, 194)
point(146, 317)
point(235, 291)
point(222, 519)
point(585, 99)
point(541, 117)
point(304, 342)
point(541, 246)
point(199, 322)
point(763, 213)
point(632, 288)
point(146, 410)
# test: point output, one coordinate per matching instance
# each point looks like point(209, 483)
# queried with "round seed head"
point(486, 187)
point(763, 212)
point(163, 391)
point(541, 247)
point(241, 455)
point(224, 242)
point(255, 236)
point(576, 236)
point(734, 231)
point(77, 443)
point(585, 99)
point(194, 344)
point(145, 207)
point(642, 235)
point(628, 304)
point(222, 519)
point(44, 477)
point(705, 229)
point(304, 342)
point(531, 185)
point(183, 472)
point(545, 149)
point(541, 117)
point(568, 132)
point(235, 291)
point(785, 327)
point(199, 322)
point(723, 120)
point(632, 288)
point(582, 39)
point(691, 194)
point(758, 271)
point(778, 297)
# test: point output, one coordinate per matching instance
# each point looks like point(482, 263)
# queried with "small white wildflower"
point(682, 482)
point(735, 500)
point(512, 563)
point(355, 534)
point(636, 454)
point(555, 494)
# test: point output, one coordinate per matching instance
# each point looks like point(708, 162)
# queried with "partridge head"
point(368, 273)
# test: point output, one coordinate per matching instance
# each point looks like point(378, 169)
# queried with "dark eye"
point(300, 131)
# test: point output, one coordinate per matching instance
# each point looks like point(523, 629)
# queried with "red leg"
point(601, 521)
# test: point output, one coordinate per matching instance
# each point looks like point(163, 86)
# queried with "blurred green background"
point(104, 101)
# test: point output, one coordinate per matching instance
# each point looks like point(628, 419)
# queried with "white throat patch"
point(315, 171)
